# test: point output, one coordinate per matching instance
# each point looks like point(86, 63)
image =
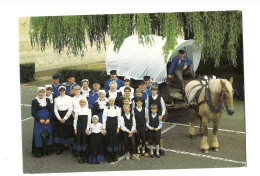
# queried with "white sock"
point(151, 149)
point(157, 149)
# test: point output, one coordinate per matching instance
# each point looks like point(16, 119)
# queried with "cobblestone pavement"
point(181, 151)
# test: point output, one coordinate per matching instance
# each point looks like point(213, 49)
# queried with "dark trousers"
point(178, 73)
point(140, 136)
point(154, 137)
point(129, 143)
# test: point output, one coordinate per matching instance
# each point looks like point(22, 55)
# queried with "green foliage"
point(120, 27)
point(27, 71)
point(91, 75)
point(219, 33)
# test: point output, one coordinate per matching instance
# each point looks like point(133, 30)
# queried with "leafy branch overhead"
point(218, 33)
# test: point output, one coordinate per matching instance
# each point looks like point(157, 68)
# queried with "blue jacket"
point(55, 89)
point(93, 96)
point(119, 82)
point(69, 88)
point(176, 66)
point(145, 95)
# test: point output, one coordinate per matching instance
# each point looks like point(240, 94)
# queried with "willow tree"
point(217, 33)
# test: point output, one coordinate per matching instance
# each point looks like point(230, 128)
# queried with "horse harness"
point(207, 98)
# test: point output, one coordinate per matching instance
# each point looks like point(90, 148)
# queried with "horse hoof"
point(205, 150)
point(215, 149)
point(193, 136)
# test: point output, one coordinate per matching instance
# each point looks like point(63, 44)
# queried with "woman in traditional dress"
point(63, 123)
point(111, 125)
point(82, 122)
point(42, 130)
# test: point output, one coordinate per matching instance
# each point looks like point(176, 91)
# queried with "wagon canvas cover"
point(137, 60)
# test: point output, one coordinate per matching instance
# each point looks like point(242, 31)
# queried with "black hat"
point(96, 82)
point(146, 78)
point(141, 82)
point(181, 51)
point(113, 72)
point(55, 76)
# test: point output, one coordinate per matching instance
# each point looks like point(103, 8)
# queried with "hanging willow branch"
point(217, 33)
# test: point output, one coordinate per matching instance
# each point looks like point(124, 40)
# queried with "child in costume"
point(96, 143)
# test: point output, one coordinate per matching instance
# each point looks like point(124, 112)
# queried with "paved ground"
point(181, 151)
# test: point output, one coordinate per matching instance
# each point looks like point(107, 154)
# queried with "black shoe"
point(38, 155)
point(151, 155)
point(80, 160)
point(158, 156)
point(109, 160)
point(76, 154)
point(58, 152)
point(73, 152)
point(161, 151)
point(47, 153)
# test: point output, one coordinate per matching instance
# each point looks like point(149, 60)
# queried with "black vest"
point(128, 123)
point(157, 101)
point(140, 117)
point(153, 122)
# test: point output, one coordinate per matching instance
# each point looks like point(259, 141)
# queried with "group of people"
point(94, 123)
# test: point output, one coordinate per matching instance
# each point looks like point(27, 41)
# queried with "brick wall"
point(49, 59)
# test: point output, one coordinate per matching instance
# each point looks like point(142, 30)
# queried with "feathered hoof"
point(215, 149)
point(193, 136)
point(205, 150)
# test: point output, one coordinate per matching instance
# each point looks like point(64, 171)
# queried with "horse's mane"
point(215, 85)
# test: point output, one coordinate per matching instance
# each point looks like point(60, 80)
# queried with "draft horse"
point(210, 97)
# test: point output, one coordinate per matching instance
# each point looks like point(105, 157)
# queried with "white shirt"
point(95, 128)
point(123, 127)
point(102, 103)
point(112, 94)
point(63, 103)
point(162, 103)
point(122, 90)
point(82, 111)
point(85, 93)
point(75, 102)
point(111, 112)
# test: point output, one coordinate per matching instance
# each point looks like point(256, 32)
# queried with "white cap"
point(62, 87)
point(40, 88)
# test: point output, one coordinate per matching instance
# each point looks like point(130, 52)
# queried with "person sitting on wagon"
point(114, 78)
point(180, 64)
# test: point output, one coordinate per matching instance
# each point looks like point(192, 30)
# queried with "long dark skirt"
point(38, 142)
point(112, 138)
point(63, 133)
point(129, 143)
point(96, 148)
point(81, 139)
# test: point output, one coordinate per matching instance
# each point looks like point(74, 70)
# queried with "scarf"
point(85, 92)
point(102, 104)
point(42, 101)
point(50, 96)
